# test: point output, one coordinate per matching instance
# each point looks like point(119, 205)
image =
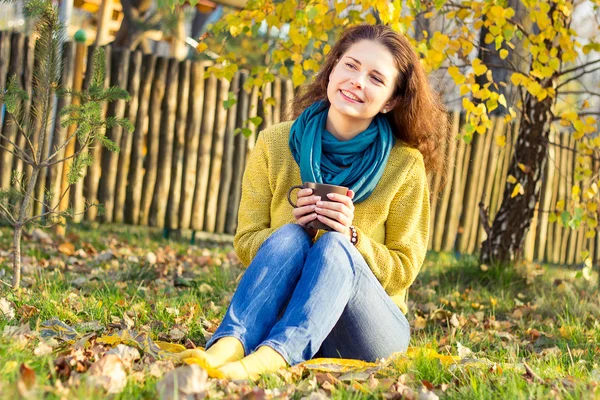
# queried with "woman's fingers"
point(340, 198)
point(305, 201)
point(301, 211)
point(332, 224)
point(339, 216)
point(302, 221)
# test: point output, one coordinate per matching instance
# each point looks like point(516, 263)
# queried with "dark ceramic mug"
point(321, 190)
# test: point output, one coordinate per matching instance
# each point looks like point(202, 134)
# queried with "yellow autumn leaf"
point(560, 205)
point(455, 73)
point(518, 79)
point(502, 100)
point(503, 54)
point(517, 191)
point(511, 179)
point(478, 67)
point(170, 347)
point(500, 140)
point(201, 47)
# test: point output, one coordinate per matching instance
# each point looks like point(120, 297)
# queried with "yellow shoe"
point(262, 361)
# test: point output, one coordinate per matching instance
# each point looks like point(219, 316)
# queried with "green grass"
point(544, 316)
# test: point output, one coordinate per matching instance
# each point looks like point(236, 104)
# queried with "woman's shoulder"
point(403, 156)
point(277, 135)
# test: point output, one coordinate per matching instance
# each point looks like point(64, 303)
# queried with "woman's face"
point(362, 82)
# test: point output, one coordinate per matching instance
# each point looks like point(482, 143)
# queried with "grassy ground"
point(529, 331)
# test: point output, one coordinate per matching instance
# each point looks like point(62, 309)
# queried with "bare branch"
point(22, 131)
point(576, 77)
point(62, 146)
point(7, 214)
point(566, 92)
point(485, 222)
point(577, 68)
point(78, 152)
point(23, 156)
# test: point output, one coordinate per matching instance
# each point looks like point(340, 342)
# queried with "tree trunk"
point(514, 217)
point(16, 282)
point(507, 233)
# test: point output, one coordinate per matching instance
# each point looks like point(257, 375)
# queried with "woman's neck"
point(343, 127)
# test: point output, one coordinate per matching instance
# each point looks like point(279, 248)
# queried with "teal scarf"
point(357, 163)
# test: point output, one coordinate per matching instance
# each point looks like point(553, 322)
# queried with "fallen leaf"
point(109, 373)
point(189, 382)
point(26, 381)
point(170, 347)
point(55, 328)
point(67, 248)
point(42, 349)
point(127, 354)
point(7, 309)
point(463, 351)
point(336, 364)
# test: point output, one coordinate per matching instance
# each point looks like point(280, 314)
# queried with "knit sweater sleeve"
point(254, 216)
point(396, 262)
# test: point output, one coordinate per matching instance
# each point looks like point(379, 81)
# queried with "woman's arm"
point(254, 215)
point(397, 262)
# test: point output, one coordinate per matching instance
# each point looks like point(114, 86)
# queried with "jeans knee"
point(335, 246)
point(288, 239)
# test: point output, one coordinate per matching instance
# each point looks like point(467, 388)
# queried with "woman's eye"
point(350, 65)
point(377, 79)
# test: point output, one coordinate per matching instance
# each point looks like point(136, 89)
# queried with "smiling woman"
point(371, 124)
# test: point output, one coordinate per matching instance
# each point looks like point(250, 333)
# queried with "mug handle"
point(290, 193)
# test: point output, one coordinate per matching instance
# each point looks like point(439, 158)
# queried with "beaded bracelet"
point(353, 235)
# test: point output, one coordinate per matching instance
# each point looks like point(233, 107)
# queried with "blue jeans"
point(306, 300)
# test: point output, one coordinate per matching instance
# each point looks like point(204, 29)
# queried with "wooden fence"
point(182, 166)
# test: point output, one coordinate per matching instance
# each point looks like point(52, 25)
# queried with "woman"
point(369, 122)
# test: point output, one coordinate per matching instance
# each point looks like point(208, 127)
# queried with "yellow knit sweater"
point(392, 223)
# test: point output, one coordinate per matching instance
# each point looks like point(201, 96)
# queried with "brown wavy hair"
point(419, 118)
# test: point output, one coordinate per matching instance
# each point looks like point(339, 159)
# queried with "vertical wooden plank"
point(552, 246)
point(462, 157)
point(470, 199)
point(138, 148)
point(265, 109)
point(252, 112)
point(5, 49)
point(172, 221)
point(277, 98)
point(9, 128)
point(545, 202)
point(192, 139)
point(110, 160)
point(216, 163)
point(80, 50)
point(131, 110)
point(206, 134)
point(442, 224)
point(435, 198)
point(90, 188)
point(227, 166)
point(153, 139)
point(55, 174)
point(239, 158)
point(76, 192)
point(28, 58)
point(165, 149)
point(488, 180)
point(564, 191)
point(287, 98)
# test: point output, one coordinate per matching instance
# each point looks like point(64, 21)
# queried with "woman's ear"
point(392, 103)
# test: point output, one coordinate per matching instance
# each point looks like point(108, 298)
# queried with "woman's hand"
point(337, 213)
point(305, 210)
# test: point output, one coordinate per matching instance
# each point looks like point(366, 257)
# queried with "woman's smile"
point(350, 96)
